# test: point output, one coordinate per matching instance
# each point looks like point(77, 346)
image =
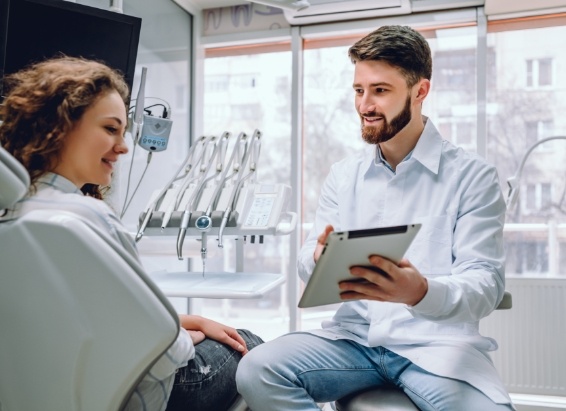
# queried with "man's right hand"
point(321, 242)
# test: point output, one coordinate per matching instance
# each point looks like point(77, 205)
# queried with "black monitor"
point(33, 30)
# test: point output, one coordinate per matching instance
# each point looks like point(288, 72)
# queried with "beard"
point(389, 129)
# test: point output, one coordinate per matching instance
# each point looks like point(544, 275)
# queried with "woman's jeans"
point(208, 381)
point(299, 370)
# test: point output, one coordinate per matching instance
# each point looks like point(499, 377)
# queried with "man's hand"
point(197, 325)
point(383, 280)
point(321, 242)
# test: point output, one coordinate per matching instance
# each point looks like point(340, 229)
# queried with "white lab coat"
point(457, 198)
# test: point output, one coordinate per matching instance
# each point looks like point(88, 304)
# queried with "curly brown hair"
point(43, 103)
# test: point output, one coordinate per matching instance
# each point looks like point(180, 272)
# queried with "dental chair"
point(80, 322)
point(392, 398)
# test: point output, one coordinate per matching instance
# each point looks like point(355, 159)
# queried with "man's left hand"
point(383, 280)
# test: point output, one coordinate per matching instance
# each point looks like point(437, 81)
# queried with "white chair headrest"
point(14, 180)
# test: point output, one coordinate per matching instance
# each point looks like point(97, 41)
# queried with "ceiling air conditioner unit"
point(322, 11)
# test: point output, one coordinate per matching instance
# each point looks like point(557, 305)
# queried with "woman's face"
point(93, 145)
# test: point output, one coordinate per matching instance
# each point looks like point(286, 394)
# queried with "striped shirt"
point(56, 193)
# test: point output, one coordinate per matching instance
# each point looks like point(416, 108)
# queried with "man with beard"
point(414, 324)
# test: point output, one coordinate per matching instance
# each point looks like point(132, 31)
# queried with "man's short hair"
point(400, 46)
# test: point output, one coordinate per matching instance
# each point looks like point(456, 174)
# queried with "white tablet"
point(346, 249)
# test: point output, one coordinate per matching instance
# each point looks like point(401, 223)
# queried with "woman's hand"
point(196, 336)
point(197, 325)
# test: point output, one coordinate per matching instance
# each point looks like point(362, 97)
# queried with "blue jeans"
point(207, 382)
point(298, 370)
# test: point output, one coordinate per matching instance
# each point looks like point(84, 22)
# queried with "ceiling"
point(492, 7)
point(211, 4)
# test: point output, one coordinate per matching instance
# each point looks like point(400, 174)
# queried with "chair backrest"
point(14, 180)
point(80, 322)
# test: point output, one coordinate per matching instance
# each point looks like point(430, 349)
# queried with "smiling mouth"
point(372, 120)
point(108, 163)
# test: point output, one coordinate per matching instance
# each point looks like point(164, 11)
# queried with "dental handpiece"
point(203, 223)
point(238, 171)
point(182, 232)
point(252, 156)
point(203, 251)
point(153, 205)
point(223, 224)
point(193, 200)
point(147, 217)
point(186, 217)
point(175, 202)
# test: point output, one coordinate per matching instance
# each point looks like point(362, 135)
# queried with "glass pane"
point(243, 93)
point(530, 73)
point(531, 197)
point(545, 196)
point(452, 98)
point(331, 124)
point(545, 72)
point(518, 117)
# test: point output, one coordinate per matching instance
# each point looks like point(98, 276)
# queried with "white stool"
point(377, 399)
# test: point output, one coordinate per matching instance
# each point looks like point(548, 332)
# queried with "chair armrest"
point(507, 301)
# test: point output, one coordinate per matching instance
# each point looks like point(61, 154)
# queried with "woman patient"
point(64, 119)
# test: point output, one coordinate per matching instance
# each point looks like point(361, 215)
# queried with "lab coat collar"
point(429, 147)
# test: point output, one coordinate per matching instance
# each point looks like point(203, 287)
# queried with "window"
point(247, 111)
point(521, 118)
point(331, 124)
point(216, 83)
point(539, 72)
point(537, 130)
point(534, 257)
point(538, 197)
point(249, 101)
point(455, 69)
point(243, 81)
point(452, 101)
point(250, 88)
point(459, 131)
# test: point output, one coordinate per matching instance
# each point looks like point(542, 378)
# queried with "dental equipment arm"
point(193, 200)
point(253, 159)
point(204, 222)
point(237, 168)
point(255, 153)
point(238, 184)
point(188, 179)
point(152, 206)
